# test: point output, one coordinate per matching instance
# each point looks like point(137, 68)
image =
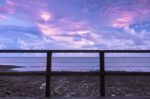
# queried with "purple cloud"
point(79, 24)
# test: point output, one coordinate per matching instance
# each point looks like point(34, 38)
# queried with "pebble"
point(113, 95)
point(62, 86)
point(8, 92)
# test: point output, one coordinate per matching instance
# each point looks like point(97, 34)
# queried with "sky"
point(75, 24)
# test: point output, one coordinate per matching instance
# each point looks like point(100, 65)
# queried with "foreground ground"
point(75, 86)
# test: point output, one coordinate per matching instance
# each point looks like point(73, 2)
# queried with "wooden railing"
point(48, 73)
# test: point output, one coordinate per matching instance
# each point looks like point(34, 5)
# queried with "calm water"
point(78, 63)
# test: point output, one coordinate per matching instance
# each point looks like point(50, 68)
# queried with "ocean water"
point(78, 63)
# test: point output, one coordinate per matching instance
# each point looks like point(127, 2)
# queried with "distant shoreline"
point(7, 68)
point(10, 68)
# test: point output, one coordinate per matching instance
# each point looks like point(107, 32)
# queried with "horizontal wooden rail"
point(74, 51)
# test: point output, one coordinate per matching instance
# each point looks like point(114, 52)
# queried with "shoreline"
point(7, 68)
point(10, 68)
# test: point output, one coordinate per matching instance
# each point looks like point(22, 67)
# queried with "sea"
point(78, 63)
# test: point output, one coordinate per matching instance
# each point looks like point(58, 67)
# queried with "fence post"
point(48, 74)
point(102, 73)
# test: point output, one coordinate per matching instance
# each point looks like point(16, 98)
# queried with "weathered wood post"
point(48, 74)
point(102, 73)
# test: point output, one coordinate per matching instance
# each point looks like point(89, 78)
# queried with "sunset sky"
point(74, 24)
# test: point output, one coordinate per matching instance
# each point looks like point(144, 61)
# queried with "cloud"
point(34, 43)
point(129, 30)
point(48, 30)
point(67, 32)
point(45, 16)
point(70, 41)
point(23, 44)
point(2, 46)
point(8, 8)
point(75, 24)
point(124, 20)
point(2, 16)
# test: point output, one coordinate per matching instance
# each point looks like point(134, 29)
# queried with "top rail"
point(74, 51)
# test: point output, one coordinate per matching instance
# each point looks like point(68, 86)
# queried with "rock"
point(8, 92)
point(72, 93)
point(118, 89)
point(63, 86)
point(54, 93)
point(43, 86)
point(113, 95)
point(128, 95)
point(67, 95)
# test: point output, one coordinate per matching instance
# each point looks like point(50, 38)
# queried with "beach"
point(74, 86)
point(69, 86)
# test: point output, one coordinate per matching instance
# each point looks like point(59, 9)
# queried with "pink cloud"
point(69, 41)
point(31, 10)
point(8, 8)
point(46, 16)
point(60, 26)
point(123, 20)
point(80, 32)
point(71, 25)
point(2, 16)
point(56, 34)
point(48, 30)
point(121, 16)
point(143, 1)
